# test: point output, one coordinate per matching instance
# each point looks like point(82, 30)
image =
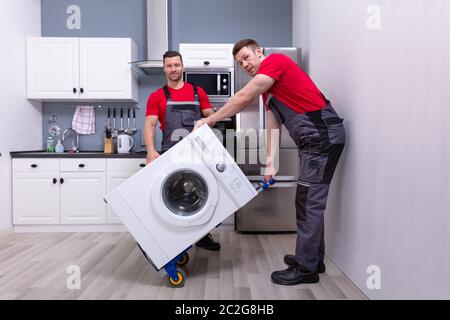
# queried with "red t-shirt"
point(156, 103)
point(292, 85)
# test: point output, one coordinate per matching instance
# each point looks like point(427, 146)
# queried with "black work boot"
point(293, 275)
point(289, 259)
point(208, 243)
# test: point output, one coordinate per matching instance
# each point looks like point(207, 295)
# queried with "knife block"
point(108, 146)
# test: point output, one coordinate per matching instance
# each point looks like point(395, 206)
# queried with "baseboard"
point(86, 228)
point(71, 228)
point(6, 230)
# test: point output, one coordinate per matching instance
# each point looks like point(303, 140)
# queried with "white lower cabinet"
point(114, 179)
point(81, 198)
point(36, 198)
point(120, 170)
point(67, 191)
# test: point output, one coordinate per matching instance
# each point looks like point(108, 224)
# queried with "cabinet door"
point(115, 179)
point(105, 72)
point(81, 197)
point(207, 55)
point(52, 68)
point(35, 198)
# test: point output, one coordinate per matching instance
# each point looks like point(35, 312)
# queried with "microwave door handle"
point(218, 84)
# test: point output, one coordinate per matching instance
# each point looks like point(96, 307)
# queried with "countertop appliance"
point(275, 210)
point(181, 196)
point(218, 83)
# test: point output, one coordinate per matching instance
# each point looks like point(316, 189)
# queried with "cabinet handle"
point(74, 90)
point(81, 90)
point(206, 63)
point(81, 165)
point(55, 180)
point(142, 165)
point(61, 180)
point(34, 165)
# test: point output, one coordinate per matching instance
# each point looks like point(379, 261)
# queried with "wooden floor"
point(34, 265)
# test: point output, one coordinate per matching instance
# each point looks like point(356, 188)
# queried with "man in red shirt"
point(176, 106)
point(292, 99)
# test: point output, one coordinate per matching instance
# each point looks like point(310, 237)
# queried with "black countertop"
point(81, 154)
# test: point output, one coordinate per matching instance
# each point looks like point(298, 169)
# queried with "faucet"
point(77, 137)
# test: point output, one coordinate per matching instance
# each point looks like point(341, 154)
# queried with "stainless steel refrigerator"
point(274, 210)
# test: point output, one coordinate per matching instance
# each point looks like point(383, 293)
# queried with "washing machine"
point(182, 195)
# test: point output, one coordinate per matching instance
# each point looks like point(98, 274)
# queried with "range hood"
point(157, 36)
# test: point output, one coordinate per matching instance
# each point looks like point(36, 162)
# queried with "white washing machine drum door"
point(186, 196)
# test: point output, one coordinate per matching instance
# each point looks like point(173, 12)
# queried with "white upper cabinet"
point(73, 69)
point(207, 55)
point(52, 68)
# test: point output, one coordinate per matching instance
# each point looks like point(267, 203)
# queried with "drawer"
point(35, 165)
point(83, 165)
point(125, 164)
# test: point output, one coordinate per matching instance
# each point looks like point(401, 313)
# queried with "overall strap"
point(196, 96)
point(167, 93)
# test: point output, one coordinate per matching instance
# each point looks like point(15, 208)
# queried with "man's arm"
point(207, 112)
point(149, 137)
point(273, 135)
point(259, 84)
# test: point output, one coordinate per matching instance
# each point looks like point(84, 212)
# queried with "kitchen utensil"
point(114, 118)
point(134, 122)
point(108, 125)
point(128, 130)
point(121, 121)
point(108, 122)
point(124, 143)
point(54, 130)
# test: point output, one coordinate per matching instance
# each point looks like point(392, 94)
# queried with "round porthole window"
point(185, 192)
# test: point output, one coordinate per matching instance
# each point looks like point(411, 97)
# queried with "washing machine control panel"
point(230, 177)
point(216, 157)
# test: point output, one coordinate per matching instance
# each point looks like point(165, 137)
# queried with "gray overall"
point(320, 138)
point(179, 115)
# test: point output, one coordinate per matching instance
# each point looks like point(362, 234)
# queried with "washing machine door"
point(185, 196)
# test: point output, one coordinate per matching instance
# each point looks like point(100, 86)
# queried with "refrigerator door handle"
point(283, 185)
point(262, 115)
point(277, 178)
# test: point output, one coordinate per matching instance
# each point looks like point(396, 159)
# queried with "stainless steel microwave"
point(218, 83)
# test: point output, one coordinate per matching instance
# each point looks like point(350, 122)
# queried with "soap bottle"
point(59, 147)
point(50, 146)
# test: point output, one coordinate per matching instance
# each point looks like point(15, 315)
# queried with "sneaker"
point(289, 259)
point(293, 275)
point(208, 243)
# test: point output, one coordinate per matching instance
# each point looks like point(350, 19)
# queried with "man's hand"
point(269, 172)
point(152, 155)
point(203, 121)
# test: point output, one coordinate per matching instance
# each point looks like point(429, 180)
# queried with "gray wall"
point(388, 204)
point(193, 21)
point(226, 21)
